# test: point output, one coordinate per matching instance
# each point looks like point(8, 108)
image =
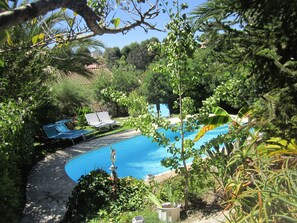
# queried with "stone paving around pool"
point(48, 186)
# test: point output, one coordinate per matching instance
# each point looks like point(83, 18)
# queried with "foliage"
point(124, 78)
point(140, 105)
point(16, 154)
point(111, 55)
point(130, 197)
point(213, 76)
point(172, 192)
point(277, 114)
point(201, 180)
point(148, 214)
point(80, 115)
point(154, 199)
point(177, 48)
point(249, 176)
point(73, 57)
point(229, 153)
point(278, 146)
point(22, 73)
point(270, 198)
point(139, 54)
point(80, 18)
point(156, 87)
point(26, 103)
point(260, 36)
point(68, 96)
point(92, 197)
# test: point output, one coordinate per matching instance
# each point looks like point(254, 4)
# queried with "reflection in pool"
point(136, 157)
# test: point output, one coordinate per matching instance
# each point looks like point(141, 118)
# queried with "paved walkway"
point(48, 186)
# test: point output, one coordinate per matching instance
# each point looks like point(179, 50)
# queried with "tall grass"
point(70, 95)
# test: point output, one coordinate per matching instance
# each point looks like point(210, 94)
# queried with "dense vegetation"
point(104, 198)
point(243, 57)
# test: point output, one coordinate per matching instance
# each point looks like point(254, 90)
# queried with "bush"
point(149, 215)
point(16, 154)
point(80, 115)
point(130, 197)
point(94, 197)
point(90, 195)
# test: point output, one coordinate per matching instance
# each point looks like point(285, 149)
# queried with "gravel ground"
point(206, 211)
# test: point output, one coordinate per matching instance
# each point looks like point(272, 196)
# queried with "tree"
point(156, 87)
point(139, 54)
point(111, 56)
point(260, 35)
point(99, 17)
point(123, 78)
point(177, 48)
point(24, 73)
point(25, 102)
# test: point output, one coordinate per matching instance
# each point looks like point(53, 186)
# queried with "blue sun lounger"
point(62, 128)
point(59, 131)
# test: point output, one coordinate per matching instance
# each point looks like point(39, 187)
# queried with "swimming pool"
point(136, 157)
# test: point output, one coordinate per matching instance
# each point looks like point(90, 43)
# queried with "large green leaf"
point(220, 111)
point(278, 146)
point(218, 118)
point(154, 199)
point(203, 130)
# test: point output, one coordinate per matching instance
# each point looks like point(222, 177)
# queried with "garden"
point(224, 63)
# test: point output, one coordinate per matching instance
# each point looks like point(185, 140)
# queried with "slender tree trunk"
point(185, 170)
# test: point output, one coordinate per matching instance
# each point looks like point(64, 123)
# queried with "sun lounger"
point(53, 134)
point(62, 128)
point(104, 117)
point(94, 121)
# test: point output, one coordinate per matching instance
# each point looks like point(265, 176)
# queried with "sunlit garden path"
point(48, 186)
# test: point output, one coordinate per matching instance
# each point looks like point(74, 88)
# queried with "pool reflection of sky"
point(136, 157)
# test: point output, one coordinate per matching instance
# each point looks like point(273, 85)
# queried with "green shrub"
point(150, 216)
point(130, 197)
point(16, 154)
point(80, 115)
point(90, 195)
point(94, 197)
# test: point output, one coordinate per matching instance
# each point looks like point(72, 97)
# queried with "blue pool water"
point(136, 157)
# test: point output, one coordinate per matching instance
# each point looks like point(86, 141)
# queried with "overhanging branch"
point(94, 22)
